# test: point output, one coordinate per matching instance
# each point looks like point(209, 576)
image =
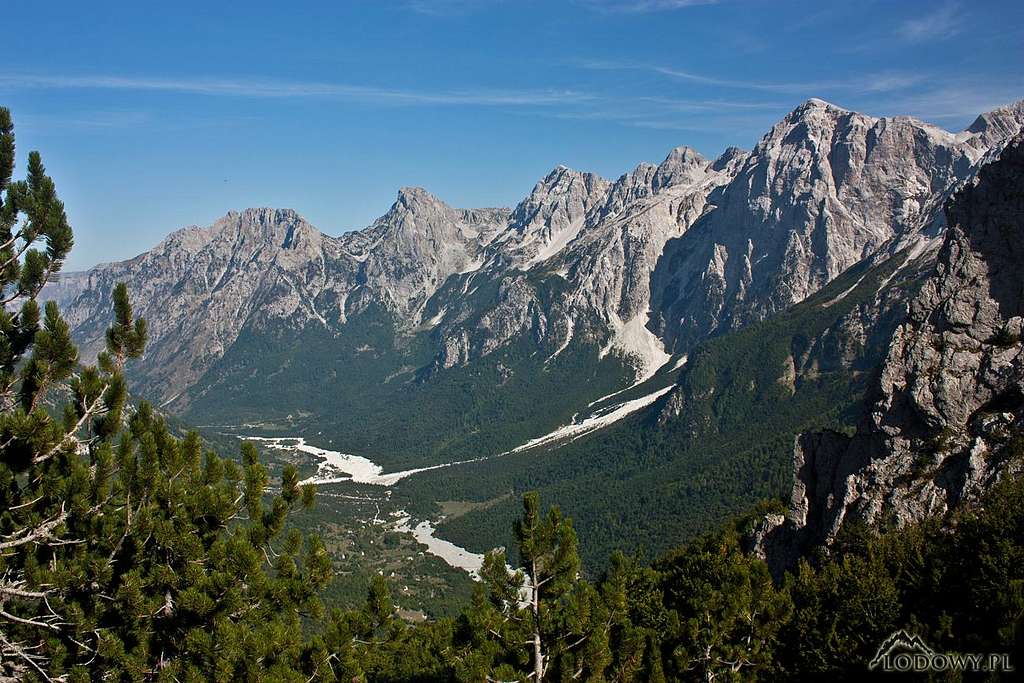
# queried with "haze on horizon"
point(154, 118)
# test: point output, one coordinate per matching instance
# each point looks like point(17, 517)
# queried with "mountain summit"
point(610, 278)
point(824, 189)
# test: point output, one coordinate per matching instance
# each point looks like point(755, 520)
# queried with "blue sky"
point(151, 116)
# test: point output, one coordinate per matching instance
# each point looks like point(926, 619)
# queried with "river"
point(335, 467)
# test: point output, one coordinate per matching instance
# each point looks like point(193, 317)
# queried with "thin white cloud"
point(443, 8)
point(939, 98)
point(881, 82)
point(655, 111)
point(943, 22)
point(690, 105)
point(693, 115)
point(115, 119)
point(641, 6)
point(955, 101)
point(930, 99)
point(286, 90)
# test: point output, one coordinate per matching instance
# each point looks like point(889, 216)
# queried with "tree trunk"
point(538, 654)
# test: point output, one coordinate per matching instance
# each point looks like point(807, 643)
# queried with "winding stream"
point(335, 467)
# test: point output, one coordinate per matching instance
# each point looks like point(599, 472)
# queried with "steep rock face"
point(995, 127)
point(609, 238)
point(609, 268)
point(551, 217)
point(950, 394)
point(206, 283)
point(822, 190)
point(612, 263)
point(270, 270)
point(417, 245)
point(539, 228)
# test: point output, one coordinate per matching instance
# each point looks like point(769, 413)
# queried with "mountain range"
point(719, 307)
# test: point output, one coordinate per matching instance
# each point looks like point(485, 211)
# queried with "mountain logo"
point(900, 643)
point(905, 652)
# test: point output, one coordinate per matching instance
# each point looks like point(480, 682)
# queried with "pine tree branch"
point(21, 654)
point(30, 535)
point(11, 241)
point(28, 622)
point(25, 504)
point(16, 257)
point(33, 293)
point(70, 435)
point(9, 589)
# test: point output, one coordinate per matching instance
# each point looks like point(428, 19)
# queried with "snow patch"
point(842, 295)
point(471, 267)
point(342, 302)
point(922, 245)
point(600, 419)
point(919, 247)
point(361, 258)
point(336, 467)
point(680, 363)
point(172, 399)
point(433, 322)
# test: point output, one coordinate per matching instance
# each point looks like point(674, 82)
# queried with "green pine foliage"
point(541, 620)
point(710, 611)
point(125, 553)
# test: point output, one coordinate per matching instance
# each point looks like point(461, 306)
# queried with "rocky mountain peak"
point(682, 165)
point(669, 253)
point(949, 395)
point(416, 209)
point(282, 228)
point(413, 201)
point(254, 229)
point(412, 249)
point(731, 157)
point(814, 103)
point(552, 215)
point(816, 109)
point(417, 223)
point(558, 171)
point(813, 123)
point(822, 190)
point(410, 197)
point(562, 180)
point(999, 124)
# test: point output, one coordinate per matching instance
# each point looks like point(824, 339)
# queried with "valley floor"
point(369, 531)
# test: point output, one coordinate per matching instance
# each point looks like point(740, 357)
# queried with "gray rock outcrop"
point(824, 189)
point(948, 407)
